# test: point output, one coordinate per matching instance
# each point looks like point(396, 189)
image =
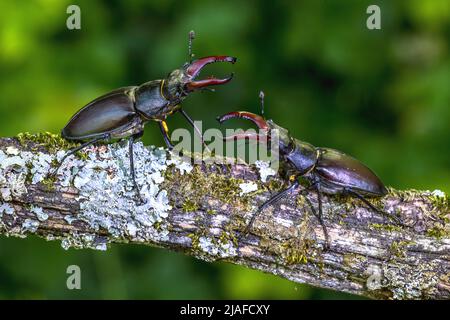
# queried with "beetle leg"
point(319, 217)
point(318, 214)
point(83, 145)
point(371, 206)
point(269, 202)
point(132, 169)
point(196, 129)
point(165, 132)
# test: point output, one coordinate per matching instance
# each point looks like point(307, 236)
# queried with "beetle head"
point(181, 82)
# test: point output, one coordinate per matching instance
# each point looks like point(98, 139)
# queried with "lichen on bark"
point(202, 209)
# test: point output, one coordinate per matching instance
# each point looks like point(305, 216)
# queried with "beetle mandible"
point(122, 113)
point(327, 170)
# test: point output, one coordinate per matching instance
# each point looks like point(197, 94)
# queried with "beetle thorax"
point(303, 156)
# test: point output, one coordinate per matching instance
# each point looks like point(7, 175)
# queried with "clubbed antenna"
point(191, 39)
point(261, 98)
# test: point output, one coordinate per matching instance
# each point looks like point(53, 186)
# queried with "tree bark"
point(202, 209)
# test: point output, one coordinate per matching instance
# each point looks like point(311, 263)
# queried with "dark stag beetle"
point(122, 113)
point(327, 170)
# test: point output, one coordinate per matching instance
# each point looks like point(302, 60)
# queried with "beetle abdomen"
point(342, 170)
point(103, 115)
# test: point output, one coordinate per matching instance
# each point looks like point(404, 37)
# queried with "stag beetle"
point(122, 113)
point(327, 170)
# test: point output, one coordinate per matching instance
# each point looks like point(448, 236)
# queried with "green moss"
point(352, 260)
point(301, 201)
point(294, 252)
point(197, 185)
point(275, 185)
point(437, 232)
point(54, 163)
point(441, 203)
point(195, 242)
point(158, 225)
point(82, 156)
point(347, 202)
point(190, 206)
point(398, 248)
point(440, 209)
point(49, 183)
point(385, 227)
point(228, 236)
point(406, 195)
point(50, 141)
point(29, 176)
point(295, 257)
point(441, 206)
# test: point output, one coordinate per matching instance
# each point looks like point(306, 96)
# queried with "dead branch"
point(201, 209)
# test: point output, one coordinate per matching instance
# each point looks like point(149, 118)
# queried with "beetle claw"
point(249, 136)
point(256, 119)
point(193, 70)
point(195, 67)
point(201, 84)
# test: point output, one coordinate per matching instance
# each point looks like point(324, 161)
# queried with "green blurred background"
point(380, 95)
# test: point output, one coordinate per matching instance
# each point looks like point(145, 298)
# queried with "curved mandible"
point(256, 119)
point(194, 68)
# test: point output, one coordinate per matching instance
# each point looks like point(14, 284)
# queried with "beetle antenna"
point(191, 39)
point(261, 98)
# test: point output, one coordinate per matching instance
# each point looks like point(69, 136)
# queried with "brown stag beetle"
point(327, 170)
point(122, 113)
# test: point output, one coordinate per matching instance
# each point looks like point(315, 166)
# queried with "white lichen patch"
point(101, 247)
point(132, 229)
point(375, 277)
point(70, 218)
point(41, 167)
point(6, 208)
point(438, 193)
point(81, 241)
point(107, 196)
point(10, 161)
point(247, 187)
point(12, 150)
point(16, 166)
point(287, 223)
point(264, 169)
point(404, 281)
point(40, 214)
point(411, 282)
point(217, 248)
point(30, 225)
point(180, 163)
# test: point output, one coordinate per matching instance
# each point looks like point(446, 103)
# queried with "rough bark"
point(202, 209)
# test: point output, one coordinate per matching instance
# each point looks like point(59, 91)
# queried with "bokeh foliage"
point(382, 96)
